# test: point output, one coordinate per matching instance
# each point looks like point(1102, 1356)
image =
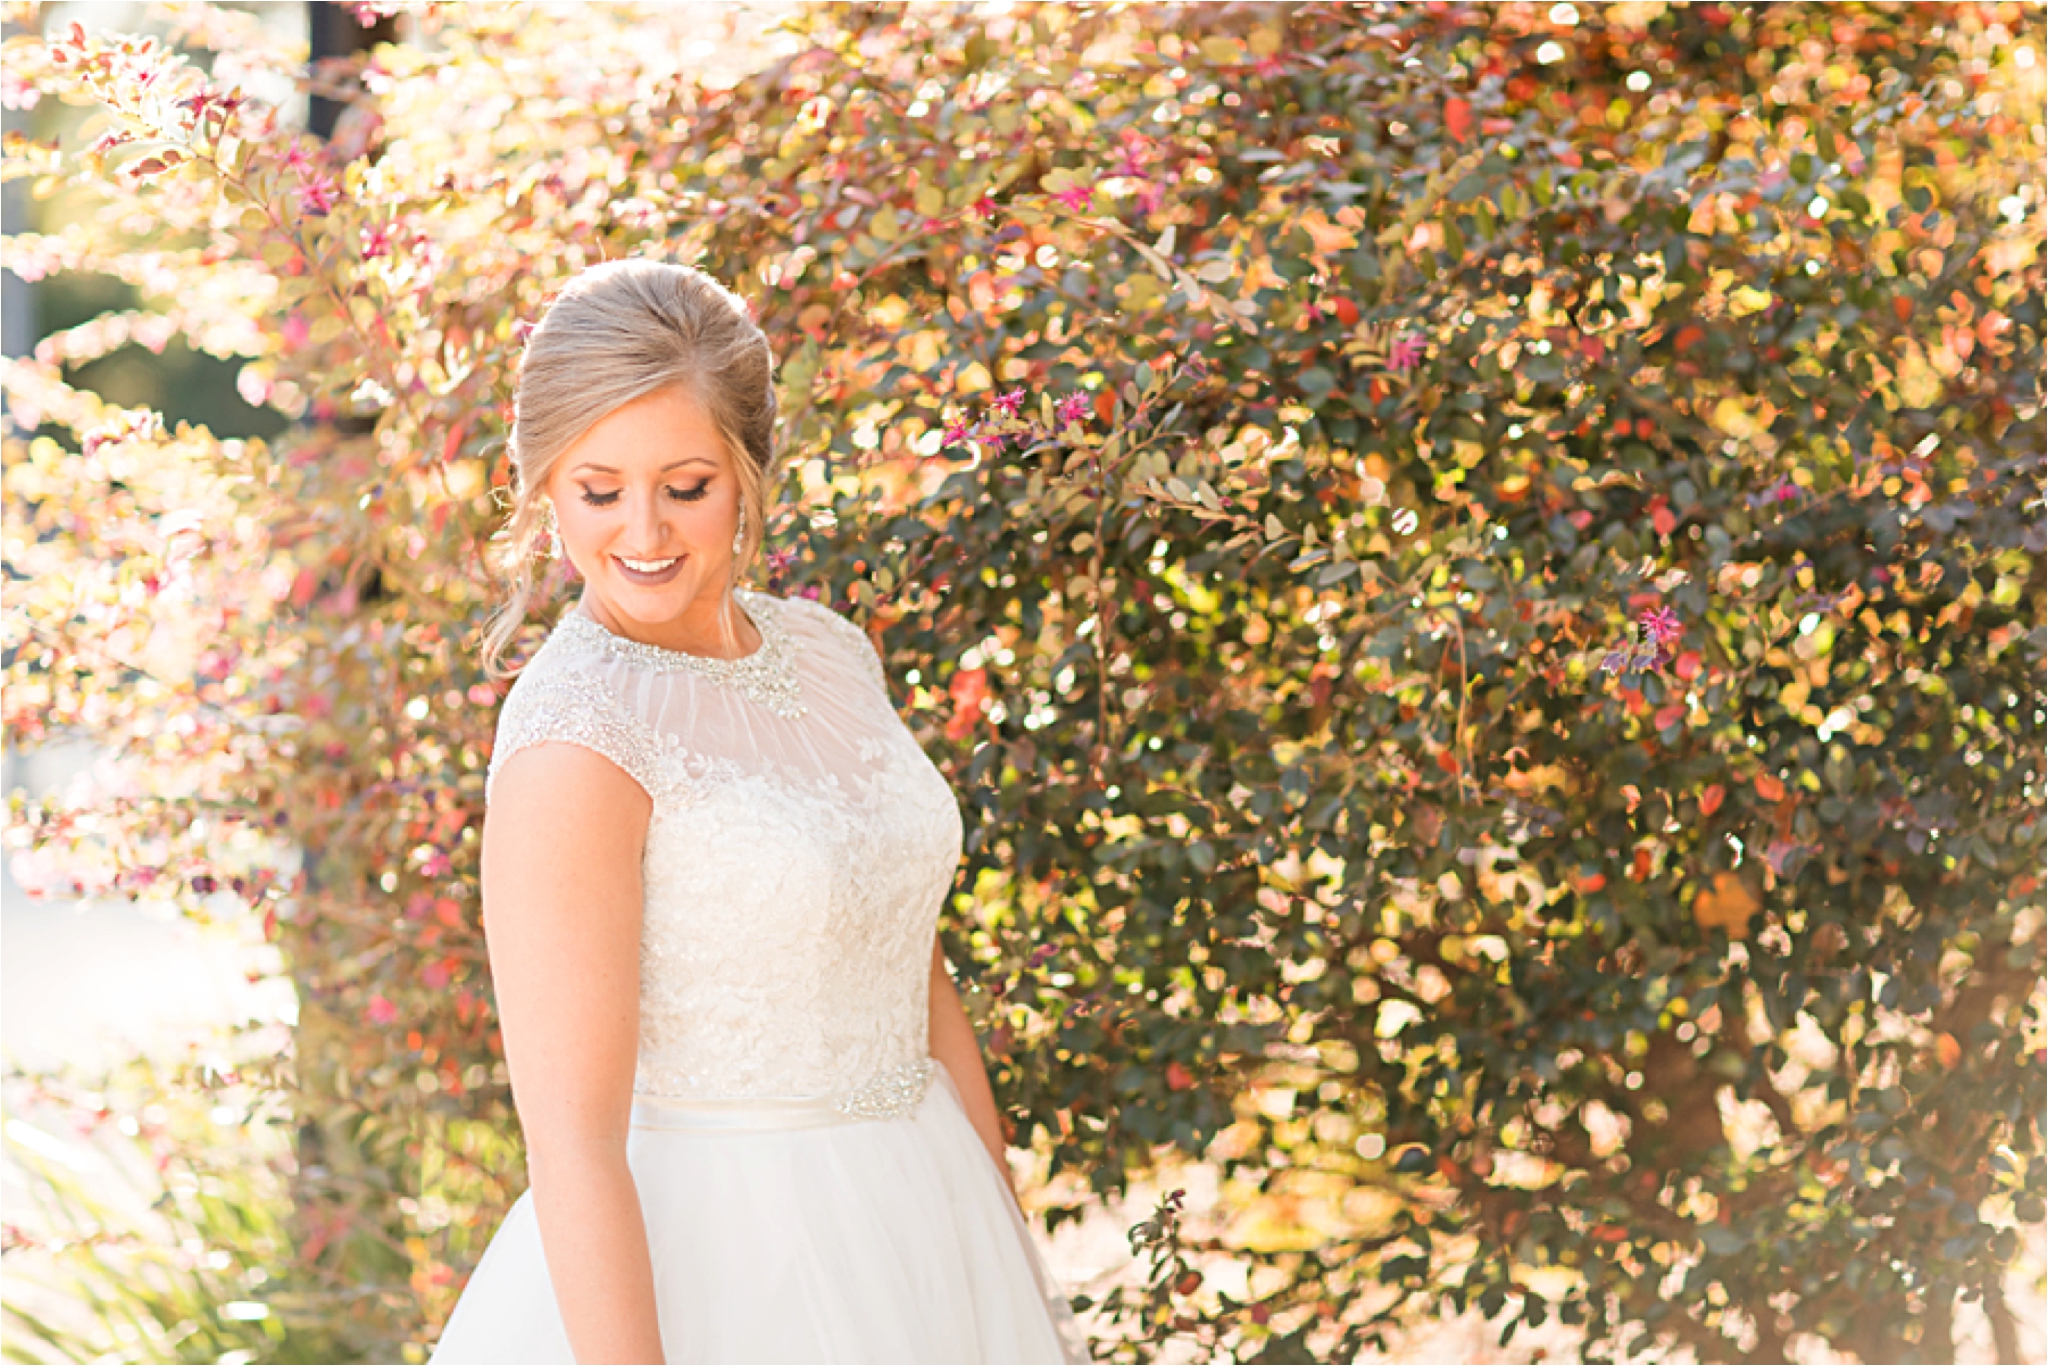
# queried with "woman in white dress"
point(757, 1121)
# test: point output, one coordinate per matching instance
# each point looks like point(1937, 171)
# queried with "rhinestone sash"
point(889, 1094)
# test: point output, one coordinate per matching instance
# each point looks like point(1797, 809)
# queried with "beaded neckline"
point(767, 676)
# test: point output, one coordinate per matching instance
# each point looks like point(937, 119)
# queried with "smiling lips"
point(649, 571)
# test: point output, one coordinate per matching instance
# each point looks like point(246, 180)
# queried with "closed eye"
point(605, 500)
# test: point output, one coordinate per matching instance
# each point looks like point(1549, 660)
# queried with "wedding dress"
point(812, 1187)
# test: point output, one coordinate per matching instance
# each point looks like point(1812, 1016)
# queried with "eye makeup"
point(605, 500)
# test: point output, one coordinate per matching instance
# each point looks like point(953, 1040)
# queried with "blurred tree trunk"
point(332, 1169)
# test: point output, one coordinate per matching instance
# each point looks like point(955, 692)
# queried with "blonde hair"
point(618, 331)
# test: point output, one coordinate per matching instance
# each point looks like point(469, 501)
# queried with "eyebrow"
point(691, 460)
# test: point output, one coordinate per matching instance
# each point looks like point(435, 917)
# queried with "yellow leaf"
point(1794, 695)
point(1728, 906)
point(1327, 236)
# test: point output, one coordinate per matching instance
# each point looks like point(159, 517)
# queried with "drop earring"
point(739, 536)
point(554, 530)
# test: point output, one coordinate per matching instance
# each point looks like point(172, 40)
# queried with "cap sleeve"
point(850, 637)
point(574, 705)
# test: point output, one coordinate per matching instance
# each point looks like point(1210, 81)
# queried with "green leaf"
point(1335, 573)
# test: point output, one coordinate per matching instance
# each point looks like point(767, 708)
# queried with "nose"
point(653, 531)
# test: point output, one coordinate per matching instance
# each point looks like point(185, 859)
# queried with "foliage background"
point(1477, 569)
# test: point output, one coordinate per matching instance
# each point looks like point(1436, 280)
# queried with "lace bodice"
point(798, 851)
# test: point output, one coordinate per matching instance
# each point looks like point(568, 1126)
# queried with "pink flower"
point(1663, 625)
point(1133, 155)
point(199, 104)
point(985, 207)
point(1008, 403)
point(1075, 197)
point(1072, 408)
point(16, 92)
point(298, 159)
point(1406, 352)
point(319, 194)
point(955, 434)
point(382, 1011)
point(377, 241)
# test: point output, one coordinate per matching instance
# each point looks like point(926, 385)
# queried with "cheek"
point(581, 526)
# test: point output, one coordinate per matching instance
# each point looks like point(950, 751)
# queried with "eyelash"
point(605, 500)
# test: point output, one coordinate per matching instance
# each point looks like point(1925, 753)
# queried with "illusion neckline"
point(646, 652)
point(767, 676)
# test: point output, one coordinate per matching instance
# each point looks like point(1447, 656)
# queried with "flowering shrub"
point(1477, 570)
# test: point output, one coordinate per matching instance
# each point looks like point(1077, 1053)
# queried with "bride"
point(757, 1122)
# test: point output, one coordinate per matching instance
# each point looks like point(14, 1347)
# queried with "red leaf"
point(1769, 788)
point(1177, 1077)
point(1458, 118)
point(1710, 800)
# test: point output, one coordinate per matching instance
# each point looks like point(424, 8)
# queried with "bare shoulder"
point(559, 799)
point(565, 774)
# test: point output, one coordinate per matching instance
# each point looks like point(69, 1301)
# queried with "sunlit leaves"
point(1472, 609)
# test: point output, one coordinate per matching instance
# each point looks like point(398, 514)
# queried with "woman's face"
point(647, 503)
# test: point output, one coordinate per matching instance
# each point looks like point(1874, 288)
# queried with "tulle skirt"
point(872, 1240)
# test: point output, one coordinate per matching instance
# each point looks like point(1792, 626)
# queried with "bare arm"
point(562, 845)
point(953, 1043)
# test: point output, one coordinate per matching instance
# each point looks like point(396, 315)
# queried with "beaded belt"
point(891, 1093)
